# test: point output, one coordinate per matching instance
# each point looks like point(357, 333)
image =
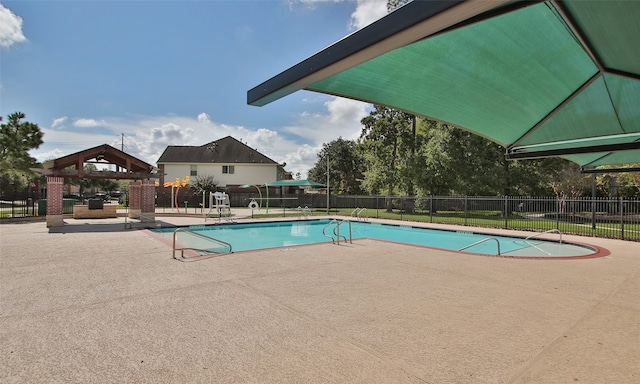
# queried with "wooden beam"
point(75, 174)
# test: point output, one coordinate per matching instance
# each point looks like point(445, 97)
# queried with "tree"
point(388, 142)
point(346, 166)
point(392, 5)
point(108, 185)
point(436, 175)
point(85, 184)
point(16, 139)
point(569, 183)
point(616, 184)
point(204, 184)
point(455, 161)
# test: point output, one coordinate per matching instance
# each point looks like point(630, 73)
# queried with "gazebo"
point(127, 167)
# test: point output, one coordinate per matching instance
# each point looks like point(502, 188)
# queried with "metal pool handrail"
point(482, 241)
point(357, 213)
point(542, 233)
point(336, 231)
point(325, 227)
point(206, 238)
point(304, 212)
point(337, 228)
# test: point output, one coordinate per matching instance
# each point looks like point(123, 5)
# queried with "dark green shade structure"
point(295, 183)
point(541, 78)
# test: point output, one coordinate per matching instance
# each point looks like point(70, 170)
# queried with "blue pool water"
point(254, 236)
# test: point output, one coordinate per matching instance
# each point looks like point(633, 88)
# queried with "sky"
point(142, 75)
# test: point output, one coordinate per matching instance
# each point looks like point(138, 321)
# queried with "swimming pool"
point(253, 236)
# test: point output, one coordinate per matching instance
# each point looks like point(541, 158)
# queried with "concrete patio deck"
point(91, 302)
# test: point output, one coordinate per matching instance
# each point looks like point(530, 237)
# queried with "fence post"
point(506, 212)
point(431, 208)
point(465, 210)
point(621, 218)
point(557, 213)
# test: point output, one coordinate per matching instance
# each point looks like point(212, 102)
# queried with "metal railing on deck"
point(545, 232)
point(480, 242)
point(199, 243)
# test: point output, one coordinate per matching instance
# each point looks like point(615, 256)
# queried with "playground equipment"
point(176, 184)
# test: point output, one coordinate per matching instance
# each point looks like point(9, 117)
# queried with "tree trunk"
point(389, 199)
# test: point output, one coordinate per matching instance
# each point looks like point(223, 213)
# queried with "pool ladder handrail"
point(480, 242)
point(357, 213)
point(304, 212)
point(545, 232)
point(207, 238)
point(336, 231)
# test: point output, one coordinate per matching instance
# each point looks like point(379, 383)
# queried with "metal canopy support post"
point(593, 201)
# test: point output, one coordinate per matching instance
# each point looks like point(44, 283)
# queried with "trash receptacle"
point(42, 207)
point(67, 206)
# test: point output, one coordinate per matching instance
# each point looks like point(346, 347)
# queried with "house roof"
point(226, 150)
point(541, 78)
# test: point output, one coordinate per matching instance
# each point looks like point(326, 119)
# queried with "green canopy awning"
point(295, 183)
point(545, 78)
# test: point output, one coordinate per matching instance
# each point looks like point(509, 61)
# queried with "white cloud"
point(49, 155)
point(10, 28)
point(204, 118)
point(59, 121)
point(312, 3)
point(60, 142)
point(366, 12)
point(341, 119)
point(346, 111)
point(88, 123)
point(146, 137)
point(303, 159)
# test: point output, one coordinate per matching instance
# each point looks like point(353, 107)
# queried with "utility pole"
point(122, 142)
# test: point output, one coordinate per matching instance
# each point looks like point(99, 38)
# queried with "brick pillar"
point(54, 202)
point(135, 193)
point(148, 202)
point(161, 174)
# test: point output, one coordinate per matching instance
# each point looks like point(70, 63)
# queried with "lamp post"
point(327, 183)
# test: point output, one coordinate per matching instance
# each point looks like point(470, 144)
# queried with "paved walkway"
point(91, 302)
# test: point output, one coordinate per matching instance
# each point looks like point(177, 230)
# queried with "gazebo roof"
point(72, 166)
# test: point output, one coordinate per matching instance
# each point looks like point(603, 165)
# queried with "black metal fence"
point(603, 217)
